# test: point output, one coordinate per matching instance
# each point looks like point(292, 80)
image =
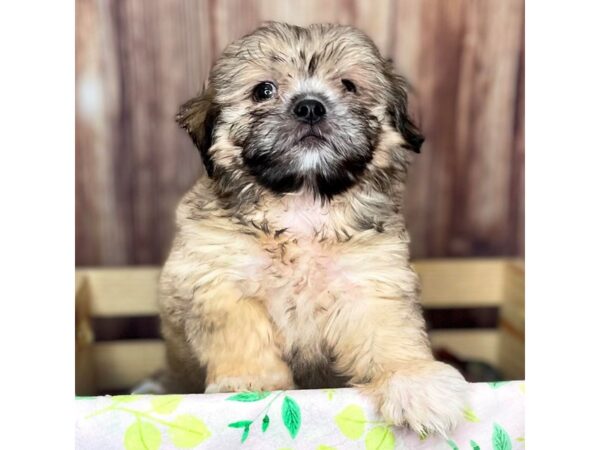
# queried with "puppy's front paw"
point(270, 382)
point(249, 376)
point(426, 395)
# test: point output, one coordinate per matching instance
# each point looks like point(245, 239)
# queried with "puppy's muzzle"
point(309, 111)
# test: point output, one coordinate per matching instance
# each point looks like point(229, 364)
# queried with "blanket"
point(324, 419)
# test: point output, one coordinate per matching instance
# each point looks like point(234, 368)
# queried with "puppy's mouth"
point(312, 138)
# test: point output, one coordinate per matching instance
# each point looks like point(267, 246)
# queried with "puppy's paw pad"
point(427, 400)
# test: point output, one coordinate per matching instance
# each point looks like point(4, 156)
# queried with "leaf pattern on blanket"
point(142, 436)
point(166, 404)
point(249, 396)
point(351, 421)
point(500, 438)
point(282, 419)
point(470, 415)
point(380, 438)
point(188, 431)
point(290, 414)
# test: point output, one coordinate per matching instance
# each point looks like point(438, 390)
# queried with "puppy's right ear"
point(198, 117)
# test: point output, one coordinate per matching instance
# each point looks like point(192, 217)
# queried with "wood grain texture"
point(138, 60)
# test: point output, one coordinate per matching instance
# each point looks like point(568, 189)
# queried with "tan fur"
point(264, 290)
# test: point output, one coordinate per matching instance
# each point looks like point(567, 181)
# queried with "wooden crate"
point(475, 307)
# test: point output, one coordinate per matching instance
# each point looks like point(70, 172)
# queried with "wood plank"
point(126, 291)
point(121, 365)
point(515, 283)
point(511, 356)
point(85, 379)
point(461, 282)
point(481, 345)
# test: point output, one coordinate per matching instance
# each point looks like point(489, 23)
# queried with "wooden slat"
point(121, 365)
point(126, 291)
point(460, 282)
point(84, 365)
point(515, 283)
point(512, 324)
point(479, 345)
point(512, 317)
point(511, 356)
point(512, 340)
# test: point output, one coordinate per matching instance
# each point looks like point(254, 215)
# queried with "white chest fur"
point(305, 282)
point(307, 276)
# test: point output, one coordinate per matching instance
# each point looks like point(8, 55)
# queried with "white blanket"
point(309, 419)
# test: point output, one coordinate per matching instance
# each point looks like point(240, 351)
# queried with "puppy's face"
point(290, 108)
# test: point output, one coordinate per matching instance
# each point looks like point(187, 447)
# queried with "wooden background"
point(138, 60)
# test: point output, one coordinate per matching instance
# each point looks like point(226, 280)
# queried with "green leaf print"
point(165, 404)
point(240, 424)
point(497, 384)
point(245, 424)
point(142, 436)
point(380, 438)
point(351, 421)
point(474, 445)
point(470, 415)
point(452, 444)
point(500, 438)
point(290, 414)
point(325, 447)
point(187, 431)
point(265, 423)
point(248, 396)
point(245, 433)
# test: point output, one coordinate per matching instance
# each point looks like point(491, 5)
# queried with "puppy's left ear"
point(398, 110)
point(198, 117)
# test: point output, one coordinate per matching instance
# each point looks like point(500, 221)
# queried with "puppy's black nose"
point(309, 111)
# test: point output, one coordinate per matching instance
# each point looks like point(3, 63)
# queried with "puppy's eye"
point(264, 91)
point(349, 85)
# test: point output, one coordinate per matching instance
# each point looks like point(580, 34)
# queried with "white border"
point(562, 223)
point(37, 223)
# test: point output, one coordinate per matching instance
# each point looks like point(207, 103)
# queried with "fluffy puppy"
point(290, 266)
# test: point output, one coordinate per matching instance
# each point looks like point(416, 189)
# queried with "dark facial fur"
point(259, 142)
point(327, 157)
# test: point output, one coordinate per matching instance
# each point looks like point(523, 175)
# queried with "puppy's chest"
point(304, 282)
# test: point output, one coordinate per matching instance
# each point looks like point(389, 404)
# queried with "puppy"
point(290, 266)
